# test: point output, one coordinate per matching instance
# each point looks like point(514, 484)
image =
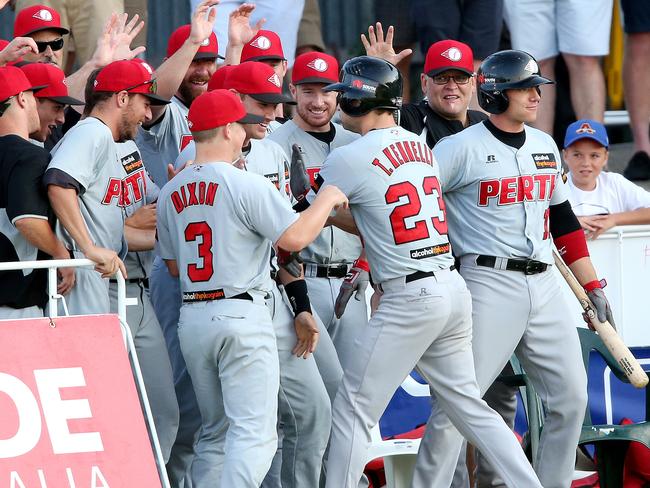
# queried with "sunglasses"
point(444, 79)
point(55, 45)
point(152, 86)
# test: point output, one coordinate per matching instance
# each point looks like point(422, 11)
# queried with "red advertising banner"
point(70, 416)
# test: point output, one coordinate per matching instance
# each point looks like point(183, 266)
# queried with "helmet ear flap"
point(493, 102)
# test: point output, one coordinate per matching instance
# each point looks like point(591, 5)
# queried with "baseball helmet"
point(502, 71)
point(366, 84)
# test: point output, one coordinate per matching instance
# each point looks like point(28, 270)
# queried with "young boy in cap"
point(601, 199)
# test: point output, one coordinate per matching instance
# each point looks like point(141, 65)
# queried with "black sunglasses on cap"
point(55, 45)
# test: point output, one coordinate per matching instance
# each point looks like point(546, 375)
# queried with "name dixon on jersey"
point(197, 193)
point(403, 152)
point(516, 189)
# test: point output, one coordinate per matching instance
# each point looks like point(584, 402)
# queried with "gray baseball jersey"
point(265, 158)
point(88, 154)
point(217, 221)
point(161, 143)
point(501, 188)
point(395, 199)
point(333, 245)
point(138, 264)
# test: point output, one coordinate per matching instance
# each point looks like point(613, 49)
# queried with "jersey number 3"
point(411, 208)
point(193, 231)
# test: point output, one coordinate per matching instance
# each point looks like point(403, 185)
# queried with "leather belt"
point(526, 266)
point(418, 275)
point(326, 271)
point(209, 295)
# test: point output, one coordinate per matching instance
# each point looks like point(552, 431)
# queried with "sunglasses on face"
point(55, 45)
point(444, 79)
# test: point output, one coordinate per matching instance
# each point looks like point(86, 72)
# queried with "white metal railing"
point(122, 303)
point(616, 117)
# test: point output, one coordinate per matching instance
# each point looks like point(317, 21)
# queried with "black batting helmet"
point(368, 83)
point(502, 71)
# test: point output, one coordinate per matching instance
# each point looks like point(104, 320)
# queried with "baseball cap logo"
point(275, 79)
point(44, 15)
point(585, 129)
point(147, 67)
point(357, 84)
point(318, 64)
point(452, 54)
point(531, 66)
point(206, 42)
point(262, 42)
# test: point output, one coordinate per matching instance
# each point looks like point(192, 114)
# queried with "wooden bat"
point(628, 363)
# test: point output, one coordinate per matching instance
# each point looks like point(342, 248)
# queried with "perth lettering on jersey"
point(427, 252)
point(545, 160)
point(196, 193)
point(127, 191)
point(403, 152)
point(132, 162)
point(516, 189)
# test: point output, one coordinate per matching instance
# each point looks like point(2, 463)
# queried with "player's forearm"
point(309, 224)
point(583, 270)
point(65, 203)
point(172, 266)
point(40, 235)
point(343, 220)
point(640, 216)
point(233, 54)
point(169, 75)
point(139, 239)
point(77, 83)
point(285, 277)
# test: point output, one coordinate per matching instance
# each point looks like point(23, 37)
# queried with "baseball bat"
point(628, 363)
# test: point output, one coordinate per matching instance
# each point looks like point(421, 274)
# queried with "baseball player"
point(423, 318)
point(304, 404)
point(215, 227)
point(505, 202)
point(86, 183)
point(330, 257)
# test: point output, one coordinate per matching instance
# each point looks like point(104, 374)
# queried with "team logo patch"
point(44, 15)
point(275, 79)
point(452, 54)
point(262, 42)
point(132, 162)
point(318, 64)
point(531, 67)
point(585, 128)
point(545, 160)
point(427, 252)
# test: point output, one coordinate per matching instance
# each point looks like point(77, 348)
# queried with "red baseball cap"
point(13, 81)
point(209, 47)
point(258, 80)
point(131, 76)
point(53, 79)
point(449, 54)
point(217, 108)
point(266, 45)
point(218, 79)
point(315, 67)
point(37, 18)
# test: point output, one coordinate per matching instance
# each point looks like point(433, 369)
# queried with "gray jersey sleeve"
point(453, 166)
point(164, 247)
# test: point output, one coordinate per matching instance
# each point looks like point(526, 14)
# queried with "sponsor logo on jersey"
point(427, 252)
point(132, 162)
point(318, 64)
point(262, 42)
point(275, 79)
point(203, 296)
point(545, 160)
point(585, 128)
point(194, 193)
point(403, 152)
point(516, 189)
point(44, 15)
point(452, 54)
point(491, 159)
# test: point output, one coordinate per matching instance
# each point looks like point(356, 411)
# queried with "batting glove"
point(290, 261)
point(597, 296)
point(298, 179)
point(357, 280)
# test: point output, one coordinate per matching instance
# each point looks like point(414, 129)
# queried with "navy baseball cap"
point(586, 129)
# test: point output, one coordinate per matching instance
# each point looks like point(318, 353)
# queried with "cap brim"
point(60, 30)
point(251, 119)
point(37, 87)
point(314, 79)
point(270, 57)
point(437, 71)
point(155, 99)
point(351, 91)
point(199, 56)
point(65, 100)
point(273, 98)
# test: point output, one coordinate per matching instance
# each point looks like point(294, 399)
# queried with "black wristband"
point(298, 296)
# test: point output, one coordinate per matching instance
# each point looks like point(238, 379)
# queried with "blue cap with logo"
point(586, 129)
